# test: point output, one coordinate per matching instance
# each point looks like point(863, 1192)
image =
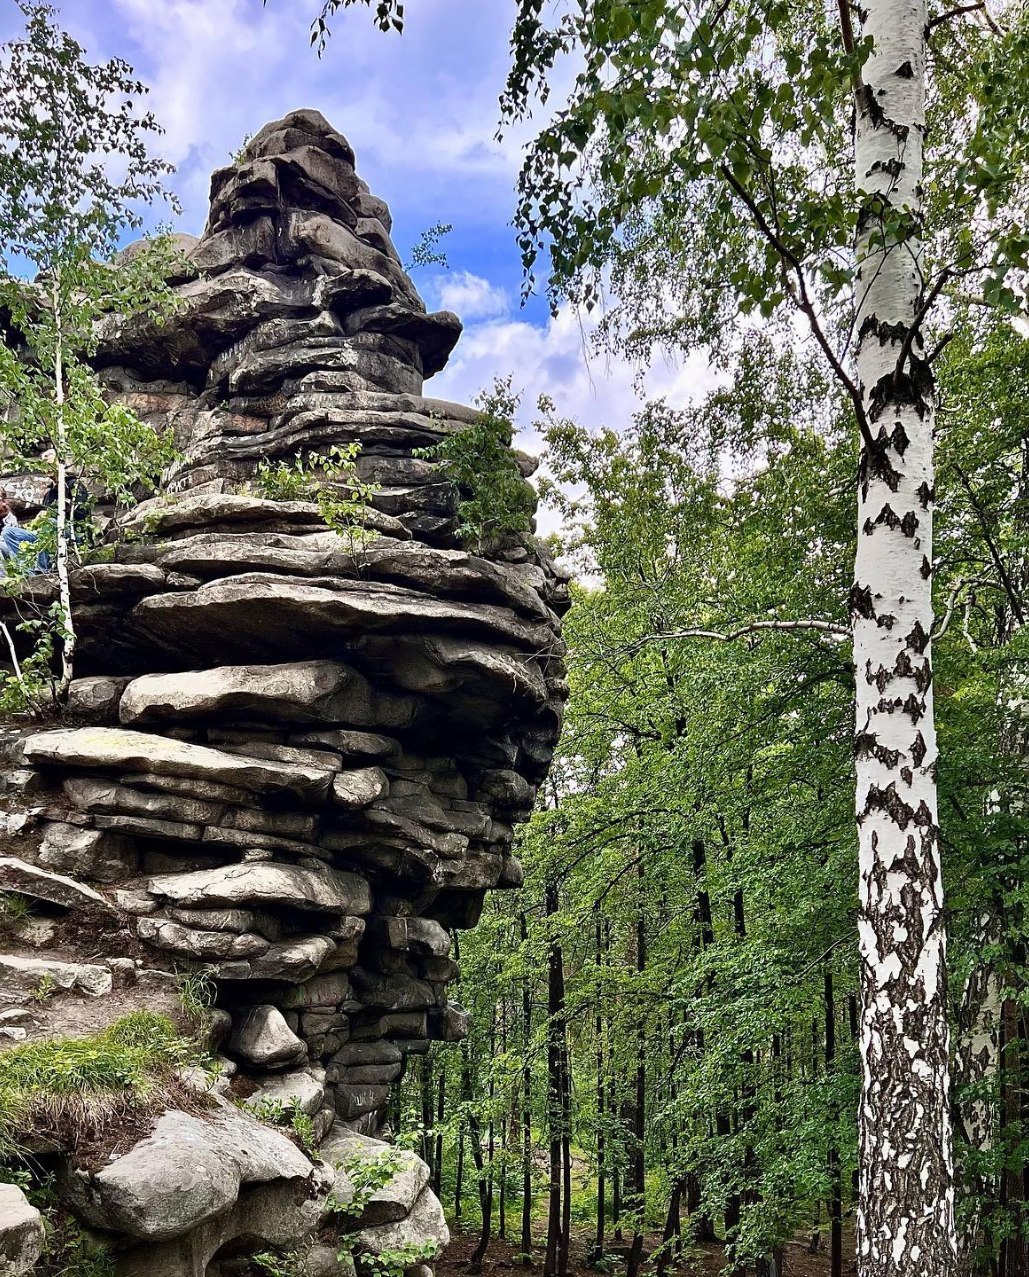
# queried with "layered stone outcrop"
point(293, 759)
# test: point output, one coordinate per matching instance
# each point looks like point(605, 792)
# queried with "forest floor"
point(709, 1261)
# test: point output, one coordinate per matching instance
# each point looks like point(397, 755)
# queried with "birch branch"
point(15, 662)
point(838, 632)
point(948, 611)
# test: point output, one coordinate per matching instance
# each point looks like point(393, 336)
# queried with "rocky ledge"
point(293, 760)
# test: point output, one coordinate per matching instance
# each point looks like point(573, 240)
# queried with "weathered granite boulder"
point(395, 1200)
point(263, 1037)
point(22, 1235)
point(191, 1169)
point(293, 756)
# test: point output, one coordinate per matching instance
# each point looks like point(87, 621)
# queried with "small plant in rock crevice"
point(290, 1114)
point(332, 481)
point(14, 907)
point(197, 992)
point(45, 989)
point(496, 502)
point(367, 1175)
point(288, 1263)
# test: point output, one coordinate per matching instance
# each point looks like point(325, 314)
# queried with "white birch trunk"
point(63, 566)
point(977, 1066)
point(906, 1198)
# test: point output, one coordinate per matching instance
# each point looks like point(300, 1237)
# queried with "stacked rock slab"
point(294, 758)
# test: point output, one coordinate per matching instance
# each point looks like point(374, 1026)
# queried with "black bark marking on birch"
point(905, 71)
point(903, 667)
point(899, 440)
point(875, 464)
point(925, 494)
point(889, 801)
point(886, 621)
point(911, 387)
point(893, 168)
point(923, 676)
point(866, 746)
point(907, 775)
point(867, 105)
point(917, 639)
point(919, 749)
point(881, 678)
point(926, 569)
point(909, 524)
point(888, 334)
point(914, 707)
point(861, 601)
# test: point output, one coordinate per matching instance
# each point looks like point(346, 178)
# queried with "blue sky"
point(421, 111)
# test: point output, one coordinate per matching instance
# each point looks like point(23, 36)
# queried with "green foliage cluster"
point(496, 503)
point(426, 251)
point(691, 860)
point(332, 479)
point(367, 1175)
point(291, 1114)
point(75, 174)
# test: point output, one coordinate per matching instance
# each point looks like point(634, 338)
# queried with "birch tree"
point(770, 159)
point(75, 173)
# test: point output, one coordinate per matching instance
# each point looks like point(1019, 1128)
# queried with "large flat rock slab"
point(306, 692)
point(264, 883)
point(257, 614)
point(118, 749)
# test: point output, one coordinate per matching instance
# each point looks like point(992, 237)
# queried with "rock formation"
point(293, 760)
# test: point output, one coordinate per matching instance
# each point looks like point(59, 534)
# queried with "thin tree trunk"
point(484, 1175)
point(616, 1201)
point(441, 1109)
point(68, 637)
point(526, 1109)
point(639, 1123)
point(598, 1029)
point(502, 1209)
point(906, 1198)
point(835, 1180)
point(1014, 1250)
point(427, 1110)
point(459, 1176)
point(701, 1223)
point(672, 1229)
point(556, 1251)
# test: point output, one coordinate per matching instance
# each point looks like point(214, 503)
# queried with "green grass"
point(197, 993)
point(13, 906)
point(68, 1090)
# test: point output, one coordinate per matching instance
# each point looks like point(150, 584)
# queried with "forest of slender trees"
point(666, 1043)
point(831, 203)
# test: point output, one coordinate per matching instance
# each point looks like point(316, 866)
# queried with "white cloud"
point(468, 295)
point(593, 389)
point(420, 109)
